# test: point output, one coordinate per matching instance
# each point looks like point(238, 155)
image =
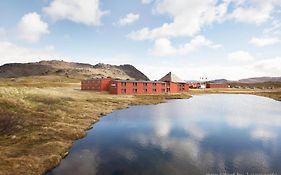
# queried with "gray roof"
point(139, 81)
point(172, 78)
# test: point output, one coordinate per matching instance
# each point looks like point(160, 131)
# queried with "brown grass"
point(270, 93)
point(38, 125)
point(39, 81)
point(262, 85)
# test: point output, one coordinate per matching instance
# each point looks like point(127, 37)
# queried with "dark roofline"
point(97, 79)
point(139, 81)
point(216, 83)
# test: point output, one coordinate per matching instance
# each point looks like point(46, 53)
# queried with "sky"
point(230, 39)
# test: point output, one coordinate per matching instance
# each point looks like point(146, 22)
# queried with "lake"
point(207, 134)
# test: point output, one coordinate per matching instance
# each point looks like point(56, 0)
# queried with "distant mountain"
point(249, 80)
point(70, 69)
point(219, 81)
point(260, 80)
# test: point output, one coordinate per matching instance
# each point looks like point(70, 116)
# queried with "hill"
point(70, 69)
point(219, 81)
point(252, 83)
point(249, 80)
point(260, 80)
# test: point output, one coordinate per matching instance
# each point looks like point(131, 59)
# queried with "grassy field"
point(38, 125)
point(40, 117)
point(270, 93)
point(39, 81)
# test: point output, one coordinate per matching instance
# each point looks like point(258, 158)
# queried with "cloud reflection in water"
point(212, 133)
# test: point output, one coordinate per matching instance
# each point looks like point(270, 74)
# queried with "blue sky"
point(230, 39)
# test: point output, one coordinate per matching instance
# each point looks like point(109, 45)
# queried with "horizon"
point(217, 39)
point(201, 79)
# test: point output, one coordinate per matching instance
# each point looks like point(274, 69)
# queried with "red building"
point(194, 85)
point(216, 85)
point(98, 84)
point(168, 84)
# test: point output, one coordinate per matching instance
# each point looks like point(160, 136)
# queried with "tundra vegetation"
point(41, 116)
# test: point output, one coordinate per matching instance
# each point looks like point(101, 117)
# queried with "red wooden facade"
point(101, 84)
point(216, 85)
point(131, 87)
point(137, 87)
point(194, 85)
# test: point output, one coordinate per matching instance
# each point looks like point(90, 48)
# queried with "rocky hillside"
point(70, 69)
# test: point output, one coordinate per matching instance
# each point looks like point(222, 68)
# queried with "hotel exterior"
point(216, 85)
point(168, 84)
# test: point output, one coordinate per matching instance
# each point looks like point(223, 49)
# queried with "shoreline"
point(272, 94)
point(69, 113)
point(165, 100)
point(65, 114)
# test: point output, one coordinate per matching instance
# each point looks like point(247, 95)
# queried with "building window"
point(123, 83)
point(154, 90)
point(145, 91)
point(113, 85)
point(168, 90)
point(163, 91)
point(123, 91)
point(135, 84)
point(154, 84)
point(135, 91)
point(163, 84)
point(144, 84)
point(181, 87)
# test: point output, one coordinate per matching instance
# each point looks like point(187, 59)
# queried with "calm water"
point(205, 134)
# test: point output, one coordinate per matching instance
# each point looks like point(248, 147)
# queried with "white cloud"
point(162, 127)
point(11, 53)
point(188, 18)
point(251, 11)
point(31, 27)
point(189, 70)
point(83, 11)
point(240, 56)
point(195, 132)
point(274, 28)
point(263, 134)
point(268, 67)
point(146, 1)
point(86, 160)
point(264, 41)
point(163, 47)
point(128, 19)
point(259, 13)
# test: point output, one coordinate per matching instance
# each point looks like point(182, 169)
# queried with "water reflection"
point(205, 134)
